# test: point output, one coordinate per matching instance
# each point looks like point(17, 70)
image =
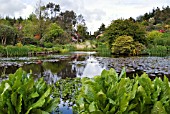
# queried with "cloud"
point(11, 7)
point(95, 12)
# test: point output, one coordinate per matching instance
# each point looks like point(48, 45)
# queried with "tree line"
point(48, 23)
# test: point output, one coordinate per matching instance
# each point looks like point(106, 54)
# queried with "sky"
point(95, 12)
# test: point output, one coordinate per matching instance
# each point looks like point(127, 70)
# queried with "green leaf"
point(7, 87)
point(92, 107)
point(106, 109)
point(14, 98)
point(158, 108)
point(124, 102)
point(33, 95)
point(101, 96)
point(52, 105)
point(40, 102)
point(134, 90)
point(122, 74)
point(38, 111)
point(19, 105)
point(10, 107)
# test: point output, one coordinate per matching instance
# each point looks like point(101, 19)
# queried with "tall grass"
point(16, 51)
point(158, 50)
point(103, 49)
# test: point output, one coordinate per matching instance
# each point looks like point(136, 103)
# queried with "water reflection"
point(78, 64)
point(91, 68)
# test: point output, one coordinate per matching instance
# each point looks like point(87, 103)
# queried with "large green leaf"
point(122, 74)
point(14, 98)
point(124, 102)
point(19, 105)
point(93, 108)
point(158, 108)
point(40, 102)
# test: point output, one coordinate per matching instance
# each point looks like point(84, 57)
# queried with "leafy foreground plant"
point(113, 94)
point(20, 94)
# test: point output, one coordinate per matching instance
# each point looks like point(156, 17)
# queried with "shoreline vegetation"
point(39, 34)
point(107, 93)
point(49, 30)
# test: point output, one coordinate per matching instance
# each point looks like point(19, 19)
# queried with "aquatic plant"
point(16, 51)
point(111, 93)
point(20, 94)
point(103, 49)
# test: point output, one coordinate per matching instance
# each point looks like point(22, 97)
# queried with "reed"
point(16, 51)
point(103, 49)
point(158, 50)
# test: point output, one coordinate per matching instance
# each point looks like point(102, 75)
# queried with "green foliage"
point(82, 31)
point(7, 34)
point(111, 93)
point(123, 45)
point(16, 50)
point(103, 49)
point(151, 36)
point(48, 45)
point(126, 45)
point(2, 50)
point(122, 27)
point(20, 94)
point(52, 32)
point(68, 89)
point(30, 28)
point(164, 40)
point(29, 41)
point(158, 50)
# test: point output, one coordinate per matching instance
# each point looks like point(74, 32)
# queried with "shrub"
point(122, 27)
point(151, 36)
point(123, 45)
point(48, 45)
point(158, 50)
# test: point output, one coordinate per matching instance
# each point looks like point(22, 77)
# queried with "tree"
point(102, 28)
point(53, 33)
point(50, 10)
point(39, 14)
point(7, 34)
point(67, 20)
point(82, 31)
point(80, 20)
point(122, 27)
point(30, 28)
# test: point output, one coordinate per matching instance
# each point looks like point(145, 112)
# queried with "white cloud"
point(11, 7)
point(95, 12)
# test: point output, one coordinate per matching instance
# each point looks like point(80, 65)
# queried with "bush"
point(158, 50)
point(123, 45)
point(28, 41)
point(126, 27)
point(48, 45)
point(151, 36)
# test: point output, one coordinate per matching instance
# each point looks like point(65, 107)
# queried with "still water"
point(81, 64)
point(54, 67)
